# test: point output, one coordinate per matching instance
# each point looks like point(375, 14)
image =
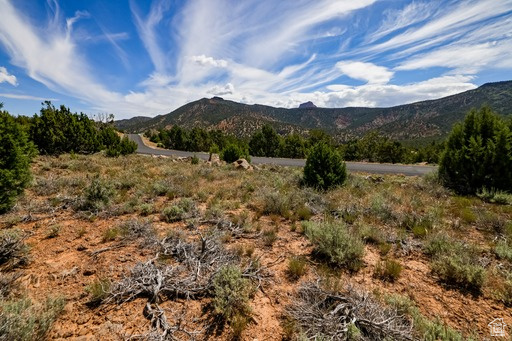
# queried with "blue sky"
point(143, 57)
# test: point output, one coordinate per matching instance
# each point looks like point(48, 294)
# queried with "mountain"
point(425, 120)
point(307, 105)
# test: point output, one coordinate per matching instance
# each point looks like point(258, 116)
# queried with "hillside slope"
point(420, 120)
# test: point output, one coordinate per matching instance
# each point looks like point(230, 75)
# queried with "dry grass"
point(464, 241)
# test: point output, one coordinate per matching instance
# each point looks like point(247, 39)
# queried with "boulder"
point(214, 159)
point(242, 164)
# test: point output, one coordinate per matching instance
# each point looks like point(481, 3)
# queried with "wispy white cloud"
point(146, 28)
point(6, 77)
point(399, 19)
point(465, 59)
point(27, 97)
point(50, 58)
point(371, 73)
point(456, 18)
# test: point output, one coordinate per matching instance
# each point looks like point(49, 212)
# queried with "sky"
point(145, 58)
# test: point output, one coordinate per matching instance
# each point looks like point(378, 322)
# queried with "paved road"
point(375, 168)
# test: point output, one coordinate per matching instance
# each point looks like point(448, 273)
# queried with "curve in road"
point(375, 168)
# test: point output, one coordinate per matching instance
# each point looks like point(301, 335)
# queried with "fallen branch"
point(325, 313)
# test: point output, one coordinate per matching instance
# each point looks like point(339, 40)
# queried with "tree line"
point(57, 131)
point(372, 147)
point(54, 131)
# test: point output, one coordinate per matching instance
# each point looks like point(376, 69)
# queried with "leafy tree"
point(390, 151)
point(108, 136)
point(120, 146)
point(127, 146)
point(293, 146)
point(57, 131)
point(198, 140)
point(324, 167)
point(478, 154)
point(265, 142)
point(349, 150)
point(233, 152)
point(318, 135)
point(178, 138)
point(16, 152)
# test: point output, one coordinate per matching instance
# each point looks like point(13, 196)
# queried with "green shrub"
point(438, 245)
point(460, 271)
point(503, 250)
point(424, 328)
point(16, 153)
point(478, 154)
point(110, 234)
point(127, 146)
point(269, 237)
point(371, 234)
point(97, 194)
point(230, 297)
point(194, 160)
point(495, 196)
point(146, 209)
point(98, 290)
point(112, 151)
point(324, 168)
point(336, 244)
point(503, 291)
point(388, 270)
point(53, 231)
point(233, 152)
point(296, 267)
point(304, 213)
point(25, 320)
point(173, 213)
point(455, 263)
point(120, 146)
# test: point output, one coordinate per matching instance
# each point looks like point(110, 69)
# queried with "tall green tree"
point(324, 167)
point(16, 152)
point(265, 142)
point(293, 146)
point(56, 131)
point(478, 154)
point(178, 138)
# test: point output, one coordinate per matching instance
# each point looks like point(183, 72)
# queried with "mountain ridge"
point(429, 119)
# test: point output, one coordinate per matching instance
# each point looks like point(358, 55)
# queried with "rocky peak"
point(307, 105)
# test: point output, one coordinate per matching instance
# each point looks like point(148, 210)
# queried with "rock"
point(242, 164)
point(307, 105)
point(89, 272)
point(82, 319)
point(81, 247)
point(214, 159)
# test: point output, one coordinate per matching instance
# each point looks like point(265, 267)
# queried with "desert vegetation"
point(140, 247)
point(151, 248)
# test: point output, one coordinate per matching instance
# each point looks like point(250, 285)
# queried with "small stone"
point(89, 272)
point(81, 248)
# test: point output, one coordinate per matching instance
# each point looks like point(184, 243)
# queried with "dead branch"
point(197, 263)
point(320, 312)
